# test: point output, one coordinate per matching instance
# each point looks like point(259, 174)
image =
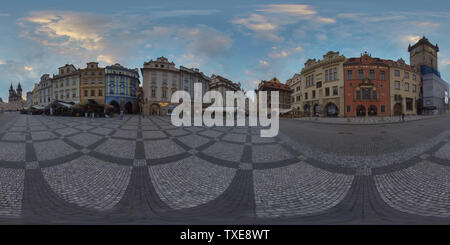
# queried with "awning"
point(285, 111)
point(38, 107)
point(65, 104)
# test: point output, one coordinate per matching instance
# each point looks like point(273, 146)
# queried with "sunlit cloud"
point(411, 39)
point(106, 59)
point(255, 22)
point(27, 68)
point(284, 52)
point(429, 24)
point(267, 21)
point(2, 62)
point(263, 62)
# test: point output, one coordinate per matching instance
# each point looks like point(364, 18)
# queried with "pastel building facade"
point(160, 79)
point(405, 86)
point(323, 86)
point(92, 83)
point(66, 84)
point(367, 87)
point(121, 87)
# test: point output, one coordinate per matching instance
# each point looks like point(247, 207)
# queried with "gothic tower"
point(19, 91)
point(423, 53)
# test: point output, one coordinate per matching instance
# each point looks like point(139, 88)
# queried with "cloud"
point(429, 24)
point(27, 68)
point(291, 9)
point(267, 21)
point(112, 38)
point(2, 62)
point(263, 63)
point(4, 15)
point(255, 22)
point(284, 53)
point(180, 13)
point(411, 39)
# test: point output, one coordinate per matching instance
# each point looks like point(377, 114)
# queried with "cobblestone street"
point(64, 170)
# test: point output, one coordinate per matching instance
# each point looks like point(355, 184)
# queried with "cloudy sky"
point(245, 41)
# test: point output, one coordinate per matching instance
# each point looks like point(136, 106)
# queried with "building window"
point(326, 75)
point(348, 108)
point(349, 74)
point(397, 85)
point(153, 92)
point(374, 94)
point(397, 73)
point(372, 74)
point(414, 88)
point(409, 104)
point(382, 75)
point(68, 95)
point(383, 108)
point(92, 81)
point(306, 96)
point(100, 92)
point(366, 94)
point(414, 77)
point(406, 86)
point(164, 93)
point(335, 74)
point(319, 85)
point(86, 93)
point(74, 94)
point(358, 95)
point(335, 90)
point(360, 74)
point(92, 92)
point(314, 94)
point(407, 75)
point(100, 80)
point(86, 81)
point(327, 91)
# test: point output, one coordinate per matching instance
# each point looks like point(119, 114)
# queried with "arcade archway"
point(361, 111)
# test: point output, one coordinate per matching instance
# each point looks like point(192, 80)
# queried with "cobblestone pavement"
point(367, 120)
point(61, 170)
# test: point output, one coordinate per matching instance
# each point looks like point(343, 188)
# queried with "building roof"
point(366, 58)
point(423, 41)
point(273, 84)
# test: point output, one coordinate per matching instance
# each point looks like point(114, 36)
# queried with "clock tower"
point(423, 53)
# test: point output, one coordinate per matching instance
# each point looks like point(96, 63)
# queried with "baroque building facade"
point(121, 87)
point(45, 90)
point(66, 84)
point(222, 85)
point(405, 89)
point(295, 84)
point(284, 93)
point(92, 83)
point(160, 79)
point(367, 86)
point(323, 87)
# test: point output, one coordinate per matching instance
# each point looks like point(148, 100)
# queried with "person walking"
point(403, 117)
point(121, 114)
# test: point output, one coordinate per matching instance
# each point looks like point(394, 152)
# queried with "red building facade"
point(366, 86)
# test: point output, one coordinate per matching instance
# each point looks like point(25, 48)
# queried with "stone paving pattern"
point(62, 170)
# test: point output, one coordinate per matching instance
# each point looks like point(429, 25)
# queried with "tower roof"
point(423, 41)
point(19, 87)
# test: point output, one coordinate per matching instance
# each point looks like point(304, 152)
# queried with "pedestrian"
point(403, 117)
point(121, 114)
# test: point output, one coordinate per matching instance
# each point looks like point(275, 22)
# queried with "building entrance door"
point(397, 109)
